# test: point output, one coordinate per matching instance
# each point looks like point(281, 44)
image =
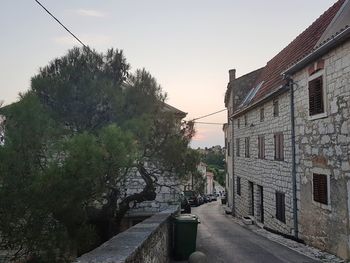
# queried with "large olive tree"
point(71, 142)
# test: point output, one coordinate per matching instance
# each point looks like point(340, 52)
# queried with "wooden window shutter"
point(280, 207)
point(316, 105)
point(247, 154)
point(261, 147)
point(239, 185)
point(320, 188)
point(279, 146)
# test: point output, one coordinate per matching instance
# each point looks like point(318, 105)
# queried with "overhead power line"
point(209, 115)
point(211, 123)
point(58, 21)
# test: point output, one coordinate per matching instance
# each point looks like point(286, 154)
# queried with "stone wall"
point(147, 242)
point(272, 175)
point(323, 147)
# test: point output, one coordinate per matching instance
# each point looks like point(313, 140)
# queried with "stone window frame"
point(324, 114)
point(327, 173)
point(245, 120)
point(247, 147)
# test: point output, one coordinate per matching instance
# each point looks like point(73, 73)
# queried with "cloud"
point(90, 12)
point(90, 40)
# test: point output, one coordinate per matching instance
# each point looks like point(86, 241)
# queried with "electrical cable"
point(213, 123)
point(58, 21)
point(208, 115)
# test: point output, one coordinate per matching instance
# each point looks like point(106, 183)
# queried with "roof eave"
point(320, 51)
point(264, 99)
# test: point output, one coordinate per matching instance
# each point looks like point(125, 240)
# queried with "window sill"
point(318, 116)
point(322, 206)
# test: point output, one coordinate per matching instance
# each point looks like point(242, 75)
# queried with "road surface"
point(223, 240)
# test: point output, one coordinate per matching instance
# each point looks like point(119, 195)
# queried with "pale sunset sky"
point(187, 45)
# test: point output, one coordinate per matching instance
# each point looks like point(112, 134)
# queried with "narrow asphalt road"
point(223, 240)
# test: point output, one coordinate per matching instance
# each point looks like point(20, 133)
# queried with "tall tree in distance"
point(72, 140)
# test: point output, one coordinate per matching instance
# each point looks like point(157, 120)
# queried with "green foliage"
point(216, 164)
point(70, 143)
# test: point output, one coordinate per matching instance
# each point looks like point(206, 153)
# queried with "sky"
point(187, 45)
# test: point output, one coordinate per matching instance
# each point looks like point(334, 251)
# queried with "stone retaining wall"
point(147, 242)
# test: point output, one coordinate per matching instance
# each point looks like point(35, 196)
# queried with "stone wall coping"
point(120, 247)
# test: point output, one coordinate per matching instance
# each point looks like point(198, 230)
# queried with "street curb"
point(310, 252)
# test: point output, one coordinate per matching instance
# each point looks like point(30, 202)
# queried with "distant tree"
point(71, 141)
point(216, 164)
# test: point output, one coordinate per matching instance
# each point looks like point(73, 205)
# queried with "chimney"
point(232, 75)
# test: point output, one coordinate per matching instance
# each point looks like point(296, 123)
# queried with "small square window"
point(275, 108)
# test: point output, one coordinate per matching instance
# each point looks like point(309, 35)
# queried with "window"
point(320, 188)
point(245, 120)
point(261, 147)
point(262, 114)
point(275, 108)
point(247, 147)
point(238, 123)
point(279, 147)
point(316, 103)
point(239, 185)
point(280, 207)
point(228, 149)
point(237, 147)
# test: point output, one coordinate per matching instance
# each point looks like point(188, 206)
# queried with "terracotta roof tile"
point(295, 51)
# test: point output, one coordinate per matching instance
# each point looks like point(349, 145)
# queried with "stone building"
point(209, 183)
point(321, 85)
point(291, 139)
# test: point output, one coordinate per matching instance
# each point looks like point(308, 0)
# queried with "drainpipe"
point(294, 175)
point(233, 169)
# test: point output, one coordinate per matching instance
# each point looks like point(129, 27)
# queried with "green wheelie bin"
point(185, 235)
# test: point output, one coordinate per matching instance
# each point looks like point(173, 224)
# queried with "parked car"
point(214, 197)
point(185, 205)
point(207, 198)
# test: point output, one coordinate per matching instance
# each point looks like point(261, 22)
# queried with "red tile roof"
point(296, 50)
